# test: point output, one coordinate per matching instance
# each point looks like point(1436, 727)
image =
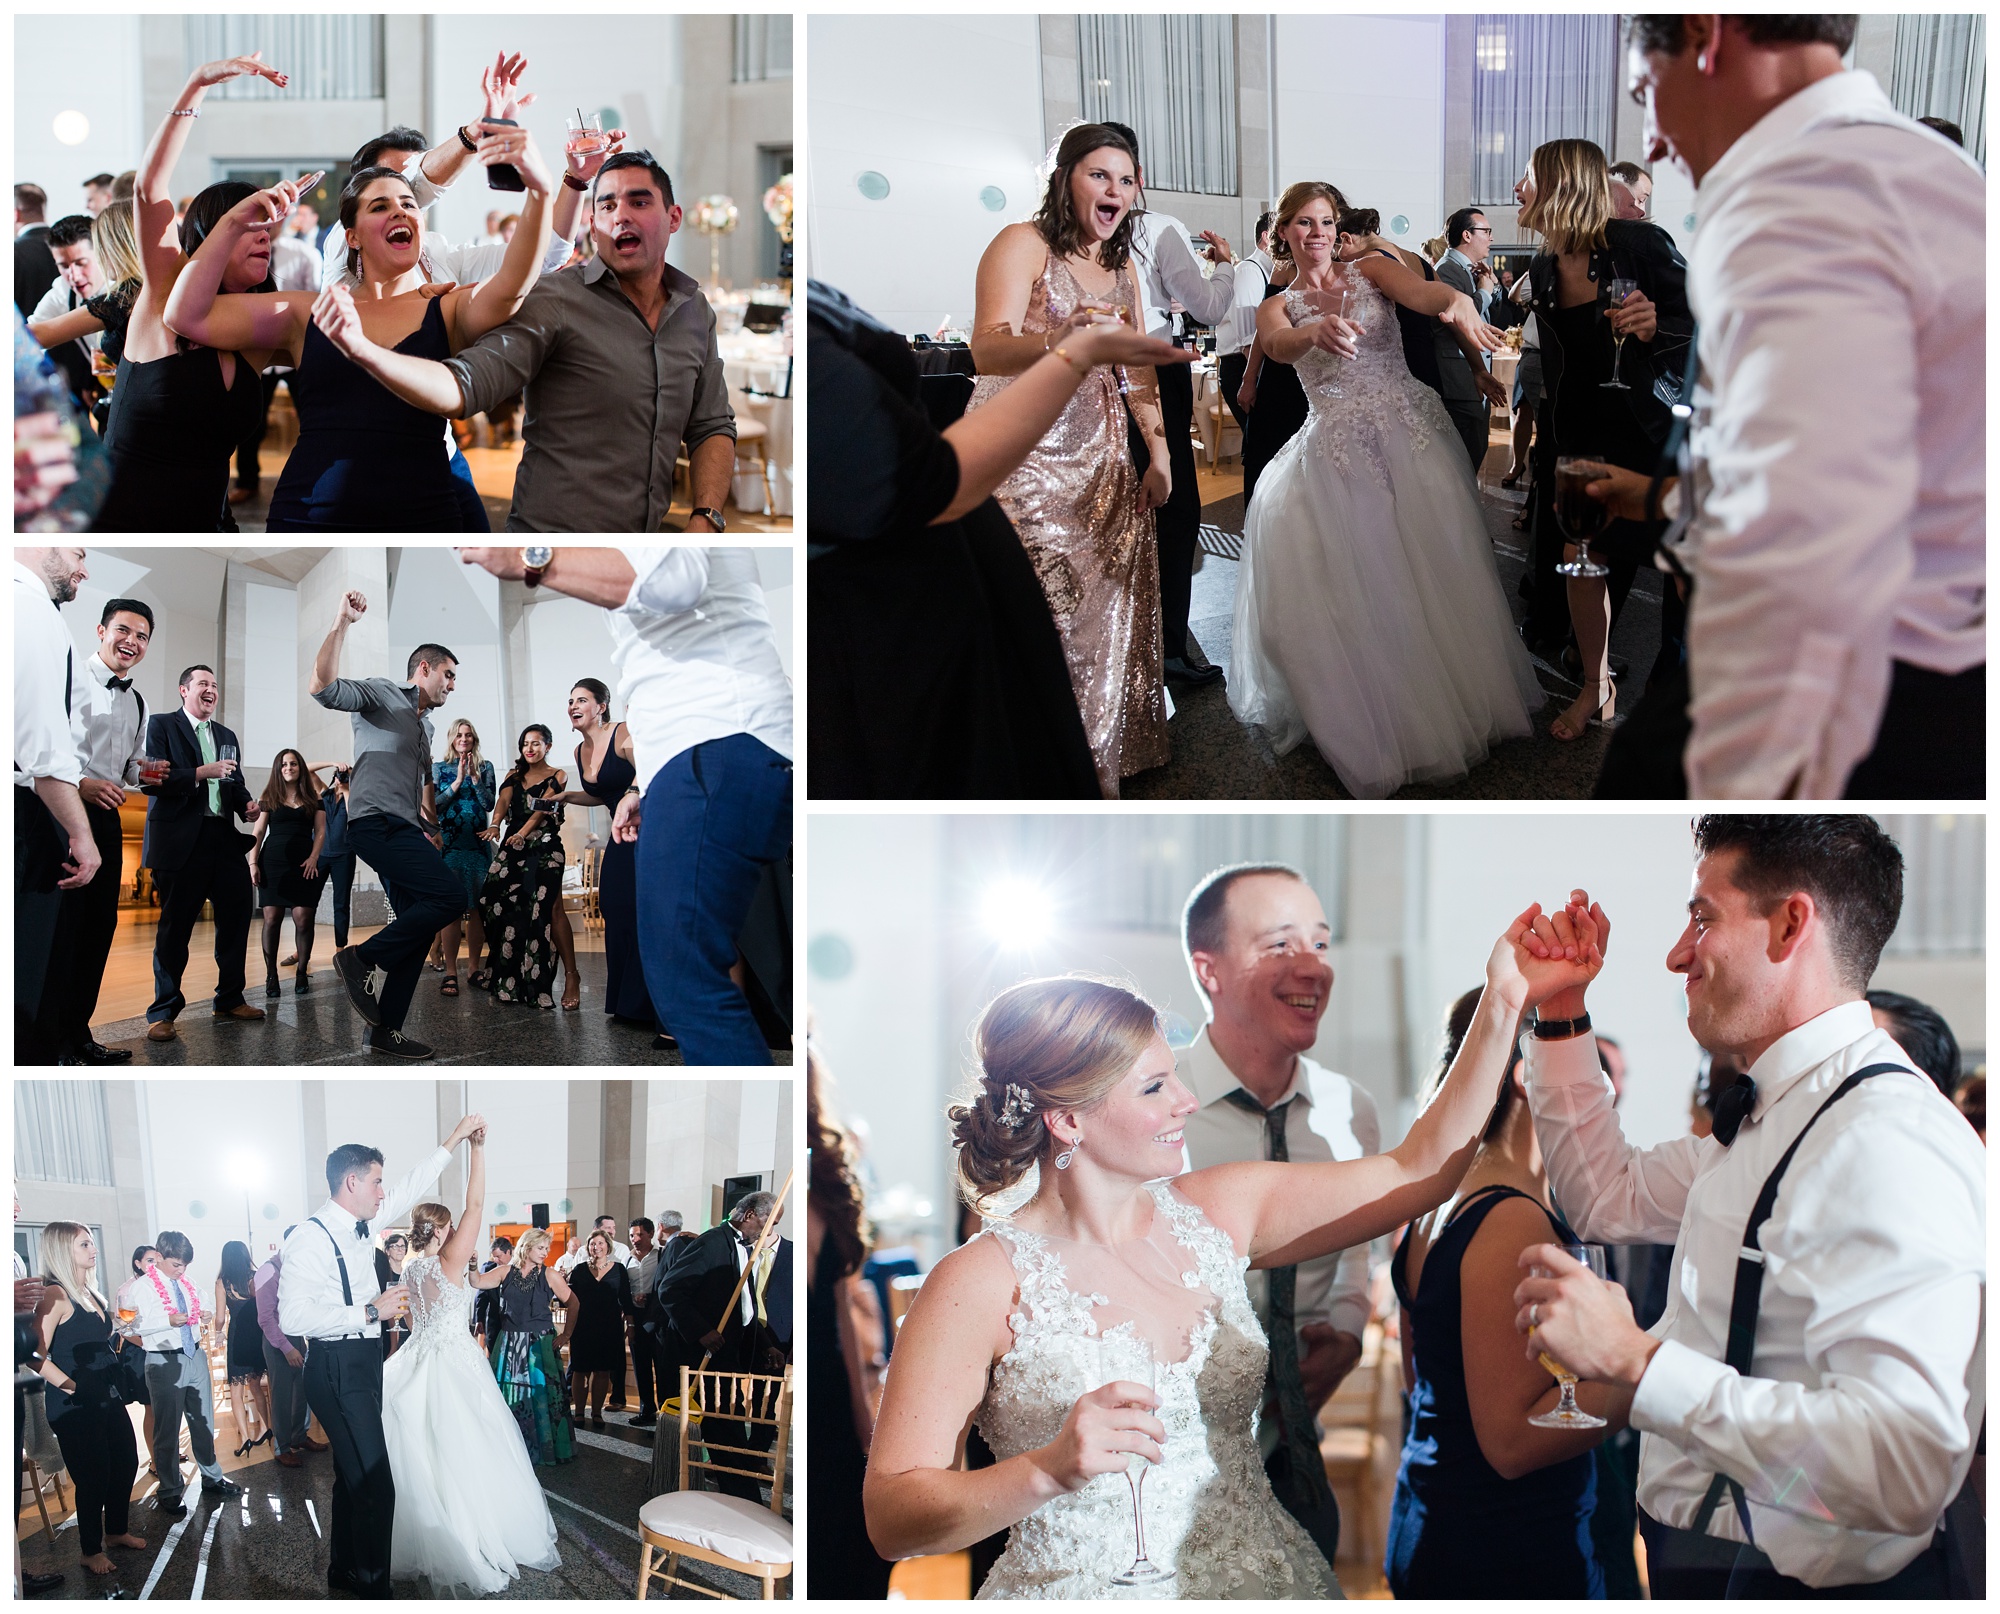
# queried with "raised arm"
point(326, 665)
point(1395, 279)
point(464, 1240)
point(269, 321)
point(152, 193)
point(493, 301)
point(1281, 1214)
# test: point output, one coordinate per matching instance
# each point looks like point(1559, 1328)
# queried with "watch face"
point(538, 556)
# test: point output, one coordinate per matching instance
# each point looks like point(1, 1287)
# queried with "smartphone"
point(503, 176)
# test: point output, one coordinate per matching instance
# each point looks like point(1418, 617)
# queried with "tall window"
point(328, 58)
point(1940, 72)
point(763, 46)
point(1537, 78)
point(1944, 884)
point(62, 1133)
point(1173, 80)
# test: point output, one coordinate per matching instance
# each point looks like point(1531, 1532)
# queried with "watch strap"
point(531, 574)
point(1557, 1030)
point(713, 517)
point(573, 182)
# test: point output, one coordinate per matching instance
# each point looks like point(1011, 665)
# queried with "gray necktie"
point(1310, 1496)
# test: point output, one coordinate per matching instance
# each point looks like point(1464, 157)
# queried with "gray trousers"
point(288, 1398)
point(179, 1388)
point(1471, 421)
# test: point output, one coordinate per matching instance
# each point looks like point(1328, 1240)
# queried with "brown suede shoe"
point(289, 1459)
point(161, 1031)
point(242, 1011)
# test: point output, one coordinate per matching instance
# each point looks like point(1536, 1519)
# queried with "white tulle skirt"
point(469, 1511)
point(1369, 612)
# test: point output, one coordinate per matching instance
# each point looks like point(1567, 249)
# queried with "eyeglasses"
point(1480, 229)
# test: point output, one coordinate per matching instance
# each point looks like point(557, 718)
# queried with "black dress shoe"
point(221, 1487)
point(34, 1585)
point(172, 1507)
point(394, 1045)
point(666, 1043)
point(1180, 670)
point(95, 1053)
point(339, 1580)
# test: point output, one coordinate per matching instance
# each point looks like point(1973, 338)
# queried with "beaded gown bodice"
point(440, 1310)
point(1210, 1513)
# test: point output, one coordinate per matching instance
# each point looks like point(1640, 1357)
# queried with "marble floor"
point(1217, 757)
point(271, 1541)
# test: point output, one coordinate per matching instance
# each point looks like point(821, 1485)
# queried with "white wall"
point(440, 599)
point(270, 705)
point(943, 106)
point(199, 1140)
point(699, 1132)
point(1361, 104)
point(92, 68)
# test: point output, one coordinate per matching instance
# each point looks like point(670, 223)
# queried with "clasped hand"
point(1103, 1432)
point(1546, 953)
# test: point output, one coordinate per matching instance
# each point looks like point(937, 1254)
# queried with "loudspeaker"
point(539, 1215)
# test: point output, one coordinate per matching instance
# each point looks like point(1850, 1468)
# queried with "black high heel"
point(301, 985)
point(271, 984)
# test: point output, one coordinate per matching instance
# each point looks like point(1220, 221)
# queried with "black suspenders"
point(1749, 1295)
point(346, 1292)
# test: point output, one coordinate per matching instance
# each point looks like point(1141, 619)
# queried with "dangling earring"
point(1063, 1159)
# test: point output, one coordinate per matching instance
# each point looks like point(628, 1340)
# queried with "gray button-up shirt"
point(608, 402)
point(392, 746)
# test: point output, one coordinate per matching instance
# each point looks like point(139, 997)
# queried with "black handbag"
point(127, 1375)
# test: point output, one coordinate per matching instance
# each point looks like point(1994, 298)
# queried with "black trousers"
point(218, 872)
point(39, 848)
point(1473, 422)
point(340, 874)
point(1177, 523)
point(84, 931)
point(1229, 368)
point(647, 1371)
point(103, 1460)
point(344, 1390)
point(1681, 1564)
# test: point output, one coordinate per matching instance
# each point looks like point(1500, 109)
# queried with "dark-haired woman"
point(366, 461)
point(601, 1291)
point(249, 1387)
point(1082, 510)
point(1488, 1505)
point(389, 1260)
point(606, 770)
point(526, 929)
point(178, 410)
point(284, 863)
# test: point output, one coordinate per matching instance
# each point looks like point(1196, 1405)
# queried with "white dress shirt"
point(1333, 1120)
point(1239, 327)
point(155, 1332)
point(110, 733)
point(1839, 436)
point(44, 662)
point(697, 659)
point(309, 1300)
point(1855, 1428)
point(1163, 258)
point(56, 301)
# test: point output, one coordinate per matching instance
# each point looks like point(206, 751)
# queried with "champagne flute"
point(1579, 515)
point(1566, 1414)
point(1130, 1361)
point(1621, 288)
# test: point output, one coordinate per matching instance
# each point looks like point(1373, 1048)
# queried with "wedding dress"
point(1211, 1518)
point(469, 1511)
point(1369, 611)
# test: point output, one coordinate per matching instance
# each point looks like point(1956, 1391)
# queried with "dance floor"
point(1218, 758)
point(322, 1028)
point(271, 1541)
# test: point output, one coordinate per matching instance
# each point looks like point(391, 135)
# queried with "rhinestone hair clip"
point(1019, 1108)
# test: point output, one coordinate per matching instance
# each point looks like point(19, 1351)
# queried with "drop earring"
point(1063, 1159)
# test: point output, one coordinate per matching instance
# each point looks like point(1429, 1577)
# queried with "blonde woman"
point(1369, 612)
point(469, 1512)
point(524, 1354)
point(81, 1360)
point(1044, 1330)
point(464, 789)
point(1587, 256)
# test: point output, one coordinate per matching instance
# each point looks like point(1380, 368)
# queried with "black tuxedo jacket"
point(34, 267)
point(693, 1294)
point(173, 816)
point(778, 1293)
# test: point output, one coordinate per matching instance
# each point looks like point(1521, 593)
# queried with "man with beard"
point(619, 360)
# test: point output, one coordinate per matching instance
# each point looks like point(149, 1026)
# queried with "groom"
point(1256, 939)
point(327, 1294)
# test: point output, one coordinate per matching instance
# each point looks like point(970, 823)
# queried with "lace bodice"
point(1352, 399)
point(440, 1310)
point(1210, 1513)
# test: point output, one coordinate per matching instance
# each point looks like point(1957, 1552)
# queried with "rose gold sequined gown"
point(1075, 503)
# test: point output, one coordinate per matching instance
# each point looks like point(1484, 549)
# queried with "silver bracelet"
point(186, 112)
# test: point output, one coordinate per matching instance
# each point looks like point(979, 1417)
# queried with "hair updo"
point(1055, 1044)
point(427, 1221)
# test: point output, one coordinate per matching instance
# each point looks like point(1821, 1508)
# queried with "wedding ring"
point(1535, 1315)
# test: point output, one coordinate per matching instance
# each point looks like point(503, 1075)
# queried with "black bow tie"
point(119, 683)
point(360, 1230)
point(1733, 1108)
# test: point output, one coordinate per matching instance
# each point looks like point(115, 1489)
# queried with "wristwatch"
point(534, 561)
point(712, 517)
point(371, 1313)
point(1557, 1030)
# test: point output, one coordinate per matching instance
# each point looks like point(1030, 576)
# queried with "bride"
point(1369, 612)
point(469, 1511)
point(1033, 1330)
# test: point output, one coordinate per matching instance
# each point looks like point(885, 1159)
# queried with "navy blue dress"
point(1458, 1529)
point(366, 461)
point(618, 894)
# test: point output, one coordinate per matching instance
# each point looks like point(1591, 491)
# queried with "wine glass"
point(1351, 309)
point(1579, 515)
point(1130, 1361)
point(1566, 1414)
point(1621, 288)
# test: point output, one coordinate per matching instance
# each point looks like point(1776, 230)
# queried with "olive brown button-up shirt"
point(609, 402)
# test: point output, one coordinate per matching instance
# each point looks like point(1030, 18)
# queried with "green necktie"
point(205, 733)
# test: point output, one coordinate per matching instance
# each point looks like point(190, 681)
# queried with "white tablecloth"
point(752, 364)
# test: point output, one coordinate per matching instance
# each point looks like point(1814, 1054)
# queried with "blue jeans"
point(426, 895)
point(713, 817)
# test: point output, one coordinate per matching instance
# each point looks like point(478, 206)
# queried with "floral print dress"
point(520, 899)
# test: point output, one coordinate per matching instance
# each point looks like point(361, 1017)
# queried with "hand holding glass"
point(1130, 1361)
point(1621, 288)
point(1566, 1414)
point(1579, 515)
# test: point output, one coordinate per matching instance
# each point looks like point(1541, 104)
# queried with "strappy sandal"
point(572, 997)
point(1596, 720)
point(449, 986)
